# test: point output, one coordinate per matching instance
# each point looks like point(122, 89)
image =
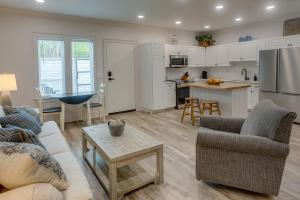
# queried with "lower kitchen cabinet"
point(170, 95)
point(253, 96)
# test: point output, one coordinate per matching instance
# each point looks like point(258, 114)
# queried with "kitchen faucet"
point(246, 74)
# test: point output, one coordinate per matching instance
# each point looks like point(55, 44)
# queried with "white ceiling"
point(194, 14)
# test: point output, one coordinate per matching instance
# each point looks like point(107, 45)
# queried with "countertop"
point(222, 86)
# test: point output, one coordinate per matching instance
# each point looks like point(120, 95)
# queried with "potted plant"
point(205, 40)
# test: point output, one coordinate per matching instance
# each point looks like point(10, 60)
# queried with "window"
point(51, 61)
point(59, 73)
point(82, 65)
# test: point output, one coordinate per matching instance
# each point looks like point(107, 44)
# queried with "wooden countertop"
point(222, 86)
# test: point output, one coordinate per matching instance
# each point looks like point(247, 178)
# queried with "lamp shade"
point(8, 82)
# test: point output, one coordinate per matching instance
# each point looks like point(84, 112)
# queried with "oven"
point(181, 94)
point(178, 61)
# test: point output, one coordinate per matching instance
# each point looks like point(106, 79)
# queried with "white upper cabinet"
point(278, 43)
point(222, 55)
point(196, 56)
point(217, 56)
point(243, 52)
point(285, 42)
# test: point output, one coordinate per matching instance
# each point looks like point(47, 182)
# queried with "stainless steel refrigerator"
point(279, 72)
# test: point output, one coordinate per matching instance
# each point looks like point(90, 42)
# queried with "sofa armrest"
point(39, 191)
point(226, 124)
point(242, 143)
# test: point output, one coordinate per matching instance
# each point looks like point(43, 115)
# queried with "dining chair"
point(99, 104)
point(49, 110)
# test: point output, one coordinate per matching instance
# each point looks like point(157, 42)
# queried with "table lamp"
point(7, 84)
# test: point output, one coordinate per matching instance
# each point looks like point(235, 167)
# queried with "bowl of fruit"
point(212, 81)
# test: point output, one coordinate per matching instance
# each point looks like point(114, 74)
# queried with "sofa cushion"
point(2, 113)
point(266, 119)
point(31, 111)
point(22, 120)
point(23, 164)
point(55, 144)
point(49, 128)
point(18, 135)
point(79, 188)
point(39, 191)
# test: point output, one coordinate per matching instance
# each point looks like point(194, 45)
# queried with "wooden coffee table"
point(114, 159)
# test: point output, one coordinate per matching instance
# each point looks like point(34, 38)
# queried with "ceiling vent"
point(291, 27)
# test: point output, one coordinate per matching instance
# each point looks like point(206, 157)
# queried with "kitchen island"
point(232, 97)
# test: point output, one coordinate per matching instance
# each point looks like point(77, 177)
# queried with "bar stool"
point(211, 106)
point(191, 102)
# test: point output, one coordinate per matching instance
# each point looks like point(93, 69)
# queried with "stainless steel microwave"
point(179, 61)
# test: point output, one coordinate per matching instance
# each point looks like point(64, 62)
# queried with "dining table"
point(71, 98)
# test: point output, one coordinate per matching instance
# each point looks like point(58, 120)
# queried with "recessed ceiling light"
point(40, 1)
point(238, 19)
point(178, 22)
point(141, 16)
point(219, 7)
point(271, 7)
point(207, 26)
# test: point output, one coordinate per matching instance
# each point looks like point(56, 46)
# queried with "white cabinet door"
point(200, 56)
point(170, 95)
point(278, 43)
point(211, 56)
point(159, 76)
point(253, 96)
point(242, 52)
point(294, 41)
point(196, 56)
point(249, 51)
point(235, 52)
point(222, 55)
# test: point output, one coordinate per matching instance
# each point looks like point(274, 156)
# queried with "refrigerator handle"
point(277, 69)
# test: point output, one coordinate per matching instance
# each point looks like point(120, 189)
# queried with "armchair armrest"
point(39, 191)
point(226, 124)
point(242, 143)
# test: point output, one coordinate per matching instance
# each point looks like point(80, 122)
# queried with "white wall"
point(17, 30)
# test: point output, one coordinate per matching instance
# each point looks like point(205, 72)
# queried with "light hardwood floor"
point(179, 156)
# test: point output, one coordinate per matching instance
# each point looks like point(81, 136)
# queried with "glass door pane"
point(83, 65)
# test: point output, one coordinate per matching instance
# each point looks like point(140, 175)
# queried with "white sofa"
point(57, 146)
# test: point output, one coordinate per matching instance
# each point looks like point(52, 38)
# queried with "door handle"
point(109, 73)
point(111, 79)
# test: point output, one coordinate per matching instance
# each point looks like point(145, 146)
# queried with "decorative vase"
point(116, 128)
point(204, 44)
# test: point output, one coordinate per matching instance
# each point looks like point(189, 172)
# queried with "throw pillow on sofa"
point(2, 112)
point(22, 120)
point(11, 110)
point(23, 164)
point(18, 135)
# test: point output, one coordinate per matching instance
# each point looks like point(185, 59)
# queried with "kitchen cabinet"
point(174, 50)
point(170, 94)
point(253, 96)
point(196, 56)
point(285, 42)
point(245, 51)
point(217, 56)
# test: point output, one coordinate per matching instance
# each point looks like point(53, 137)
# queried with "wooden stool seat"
point(192, 103)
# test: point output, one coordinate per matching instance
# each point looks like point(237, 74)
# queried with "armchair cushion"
point(241, 143)
point(227, 124)
point(267, 119)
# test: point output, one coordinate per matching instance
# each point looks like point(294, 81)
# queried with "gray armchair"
point(226, 153)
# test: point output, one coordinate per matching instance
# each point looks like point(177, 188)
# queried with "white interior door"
point(119, 60)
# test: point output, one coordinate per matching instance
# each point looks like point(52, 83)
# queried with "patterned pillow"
point(23, 164)
point(11, 110)
point(22, 120)
point(19, 135)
